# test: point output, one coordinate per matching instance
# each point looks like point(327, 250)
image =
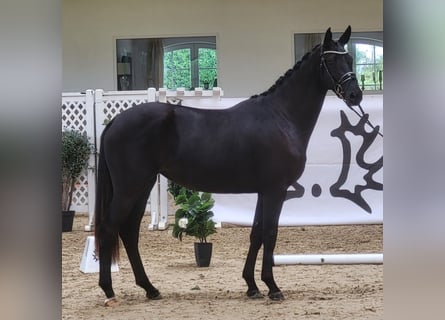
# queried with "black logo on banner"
point(371, 168)
point(368, 139)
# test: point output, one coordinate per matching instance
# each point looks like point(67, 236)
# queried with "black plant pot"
point(203, 254)
point(67, 220)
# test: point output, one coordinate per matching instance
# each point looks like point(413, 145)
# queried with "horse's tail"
point(104, 195)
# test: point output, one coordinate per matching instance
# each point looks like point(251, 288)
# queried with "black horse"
point(257, 146)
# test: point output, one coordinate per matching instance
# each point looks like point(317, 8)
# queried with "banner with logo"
point(343, 179)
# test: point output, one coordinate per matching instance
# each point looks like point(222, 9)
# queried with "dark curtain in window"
point(155, 63)
point(147, 63)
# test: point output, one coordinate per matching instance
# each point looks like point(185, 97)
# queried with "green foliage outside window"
point(179, 69)
point(369, 66)
point(207, 67)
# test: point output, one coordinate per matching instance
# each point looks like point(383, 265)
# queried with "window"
point(190, 65)
point(365, 47)
point(187, 62)
point(368, 60)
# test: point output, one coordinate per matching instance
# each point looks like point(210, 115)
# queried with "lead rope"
point(367, 121)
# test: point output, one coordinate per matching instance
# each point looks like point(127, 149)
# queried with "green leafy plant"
point(76, 150)
point(194, 217)
point(175, 191)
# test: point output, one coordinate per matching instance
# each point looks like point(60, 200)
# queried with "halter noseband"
point(338, 85)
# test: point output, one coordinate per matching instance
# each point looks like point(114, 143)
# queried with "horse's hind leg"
point(105, 252)
point(120, 210)
point(108, 243)
point(129, 233)
point(256, 240)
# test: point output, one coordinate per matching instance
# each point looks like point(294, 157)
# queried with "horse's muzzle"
point(353, 96)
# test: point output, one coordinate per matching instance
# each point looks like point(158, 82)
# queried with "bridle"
point(338, 84)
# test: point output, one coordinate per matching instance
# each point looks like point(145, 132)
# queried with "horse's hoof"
point(154, 296)
point(255, 294)
point(111, 302)
point(276, 296)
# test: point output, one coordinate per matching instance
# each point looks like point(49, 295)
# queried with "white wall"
point(254, 38)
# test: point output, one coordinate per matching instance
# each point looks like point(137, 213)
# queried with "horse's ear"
point(345, 36)
point(327, 38)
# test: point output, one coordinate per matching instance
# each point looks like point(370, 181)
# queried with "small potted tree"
point(76, 150)
point(194, 218)
point(206, 79)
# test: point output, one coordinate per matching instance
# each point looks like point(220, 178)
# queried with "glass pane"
point(379, 66)
point(182, 78)
point(367, 76)
point(177, 71)
point(181, 59)
point(206, 58)
point(207, 67)
point(168, 64)
point(177, 78)
point(168, 72)
point(364, 53)
point(378, 55)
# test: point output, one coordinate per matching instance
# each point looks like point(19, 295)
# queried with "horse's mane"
point(286, 75)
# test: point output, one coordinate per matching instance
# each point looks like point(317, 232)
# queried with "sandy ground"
point(218, 292)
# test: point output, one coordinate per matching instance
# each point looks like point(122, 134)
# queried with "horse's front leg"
point(256, 240)
point(272, 204)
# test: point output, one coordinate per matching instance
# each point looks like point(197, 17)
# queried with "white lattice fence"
point(74, 112)
point(115, 104)
point(75, 117)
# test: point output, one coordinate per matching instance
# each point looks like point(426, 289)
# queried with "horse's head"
point(336, 68)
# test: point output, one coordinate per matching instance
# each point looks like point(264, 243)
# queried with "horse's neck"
point(301, 97)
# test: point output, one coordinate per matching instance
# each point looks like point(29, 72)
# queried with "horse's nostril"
point(355, 96)
point(352, 96)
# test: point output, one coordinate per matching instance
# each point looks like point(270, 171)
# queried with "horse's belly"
point(215, 180)
point(237, 177)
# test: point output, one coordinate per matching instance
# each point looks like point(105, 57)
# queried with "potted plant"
point(206, 81)
point(76, 150)
point(194, 218)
